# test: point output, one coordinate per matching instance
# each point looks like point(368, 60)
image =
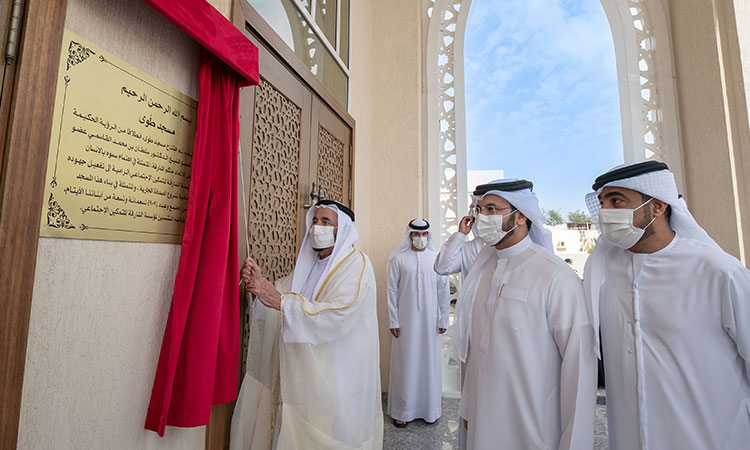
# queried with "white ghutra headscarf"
point(523, 200)
point(654, 179)
point(418, 225)
point(346, 236)
point(520, 196)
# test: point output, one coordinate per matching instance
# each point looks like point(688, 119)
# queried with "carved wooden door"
point(274, 136)
point(294, 148)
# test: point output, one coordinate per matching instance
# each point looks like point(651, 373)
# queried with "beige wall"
point(361, 108)
point(223, 6)
point(742, 15)
point(734, 21)
point(99, 308)
point(713, 114)
point(386, 101)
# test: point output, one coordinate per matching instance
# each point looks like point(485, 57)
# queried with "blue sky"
point(542, 101)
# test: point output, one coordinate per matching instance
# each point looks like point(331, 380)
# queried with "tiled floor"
point(443, 434)
point(419, 435)
point(600, 422)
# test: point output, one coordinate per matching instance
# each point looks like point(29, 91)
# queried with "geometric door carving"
point(331, 165)
point(274, 181)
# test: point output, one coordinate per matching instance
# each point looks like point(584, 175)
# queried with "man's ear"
point(658, 208)
point(520, 218)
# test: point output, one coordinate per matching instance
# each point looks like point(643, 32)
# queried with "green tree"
point(578, 216)
point(554, 217)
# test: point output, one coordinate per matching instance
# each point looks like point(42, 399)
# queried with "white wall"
point(99, 308)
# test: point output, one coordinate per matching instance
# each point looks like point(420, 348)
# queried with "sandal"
point(399, 425)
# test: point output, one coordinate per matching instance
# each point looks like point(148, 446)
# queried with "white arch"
point(648, 97)
point(446, 114)
point(645, 72)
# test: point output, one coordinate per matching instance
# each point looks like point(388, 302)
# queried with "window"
point(318, 32)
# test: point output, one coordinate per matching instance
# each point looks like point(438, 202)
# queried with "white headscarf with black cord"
point(346, 236)
point(519, 193)
point(651, 178)
point(418, 225)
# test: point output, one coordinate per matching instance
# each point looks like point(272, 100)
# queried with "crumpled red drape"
point(200, 352)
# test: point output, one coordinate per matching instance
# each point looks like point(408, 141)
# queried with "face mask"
point(617, 226)
point(321, 237)
point(490, 228)
point(419, 242)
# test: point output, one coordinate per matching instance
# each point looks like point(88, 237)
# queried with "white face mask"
point(490, 228)
point(419, 242)
point(321, 237)
point(617, 226)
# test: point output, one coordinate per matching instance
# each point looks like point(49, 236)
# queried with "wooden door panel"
point(330, 153)
point(274, 130)
point(274, 193)
point(280, 135)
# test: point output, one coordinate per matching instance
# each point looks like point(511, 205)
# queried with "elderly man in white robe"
point(313, 375)
point(531, 378)
point(675, 318)
point(418, 313)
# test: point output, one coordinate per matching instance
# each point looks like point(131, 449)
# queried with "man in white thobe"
point(675, 318)
point(531, 379)
point(418, 313)
point(313, 376)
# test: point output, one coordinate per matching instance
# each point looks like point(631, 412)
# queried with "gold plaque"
point(120, 152)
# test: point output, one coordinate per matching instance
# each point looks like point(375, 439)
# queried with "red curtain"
point(215, 33)
point(199, 356)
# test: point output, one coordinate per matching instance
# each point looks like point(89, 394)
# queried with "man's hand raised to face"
point(465, 225)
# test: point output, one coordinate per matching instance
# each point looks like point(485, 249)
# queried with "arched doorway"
point(648, 101)
point(542, 102)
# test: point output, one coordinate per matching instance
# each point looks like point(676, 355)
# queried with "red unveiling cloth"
point(214, 32)
point(199, 356)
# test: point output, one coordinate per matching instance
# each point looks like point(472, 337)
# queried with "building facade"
point(372, 91)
